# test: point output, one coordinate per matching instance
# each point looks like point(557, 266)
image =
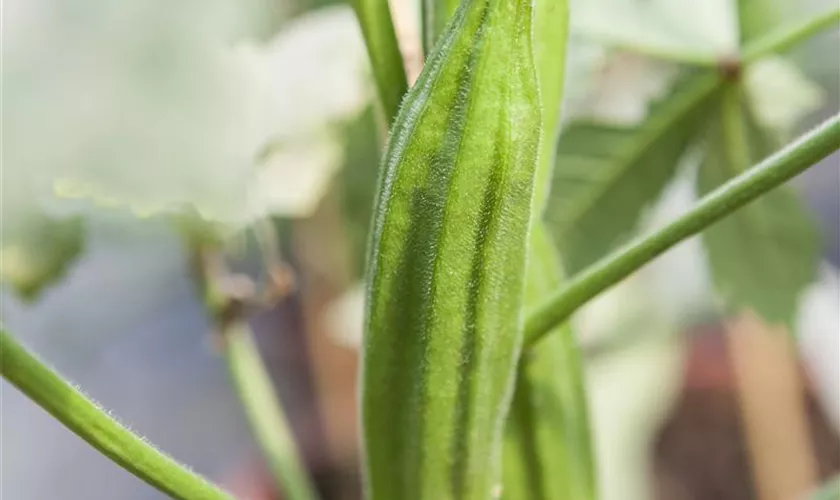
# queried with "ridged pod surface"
point(447, 262)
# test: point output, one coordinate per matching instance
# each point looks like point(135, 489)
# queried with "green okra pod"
point(447, 260)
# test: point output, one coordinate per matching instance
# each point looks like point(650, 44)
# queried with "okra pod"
point(446, 265)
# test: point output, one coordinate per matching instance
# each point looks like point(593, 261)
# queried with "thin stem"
point(769, 174)
point(266, 418)
point(93, 424)
point(787, 36)
point(248, 374)
point(384, 52)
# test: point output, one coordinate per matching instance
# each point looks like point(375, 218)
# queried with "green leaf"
point(780, 94)
point(798, 156)
point(181, 115)
point(764, 255)
point(447, 261)
point(677, 30)
point(39, 253)
point(756, 18)
point(607, 175)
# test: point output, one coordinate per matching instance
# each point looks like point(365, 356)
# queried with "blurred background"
point(133, 130)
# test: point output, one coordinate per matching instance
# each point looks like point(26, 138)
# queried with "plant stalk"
point(384, 52)
point(93, 424)
point(248, 373)
point(767, 175)
point(265, 416)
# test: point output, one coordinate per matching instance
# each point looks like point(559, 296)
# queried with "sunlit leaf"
point(607, 175)
point(673, 29)
point(294, 176)
point(764, 255)
point(780, 94)
point(614, 87)
point(174, 112)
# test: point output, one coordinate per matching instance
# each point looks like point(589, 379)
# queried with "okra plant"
point(493, 222)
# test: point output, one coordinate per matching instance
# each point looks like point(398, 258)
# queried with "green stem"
point(769, 174)
point(93, 424)
point(248, 374)
point(384, 52)
point(787, 36)
point(266, 418)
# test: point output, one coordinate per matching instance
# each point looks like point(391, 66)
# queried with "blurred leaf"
point(616, 88)
point(714, 22)
point(755, 18)
point(40, 254)
point(606, 175)
point(685, 31)
point(762, 256)
point(319, 66)
point(780, 94)
point(293, 177)
point(174, 112)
